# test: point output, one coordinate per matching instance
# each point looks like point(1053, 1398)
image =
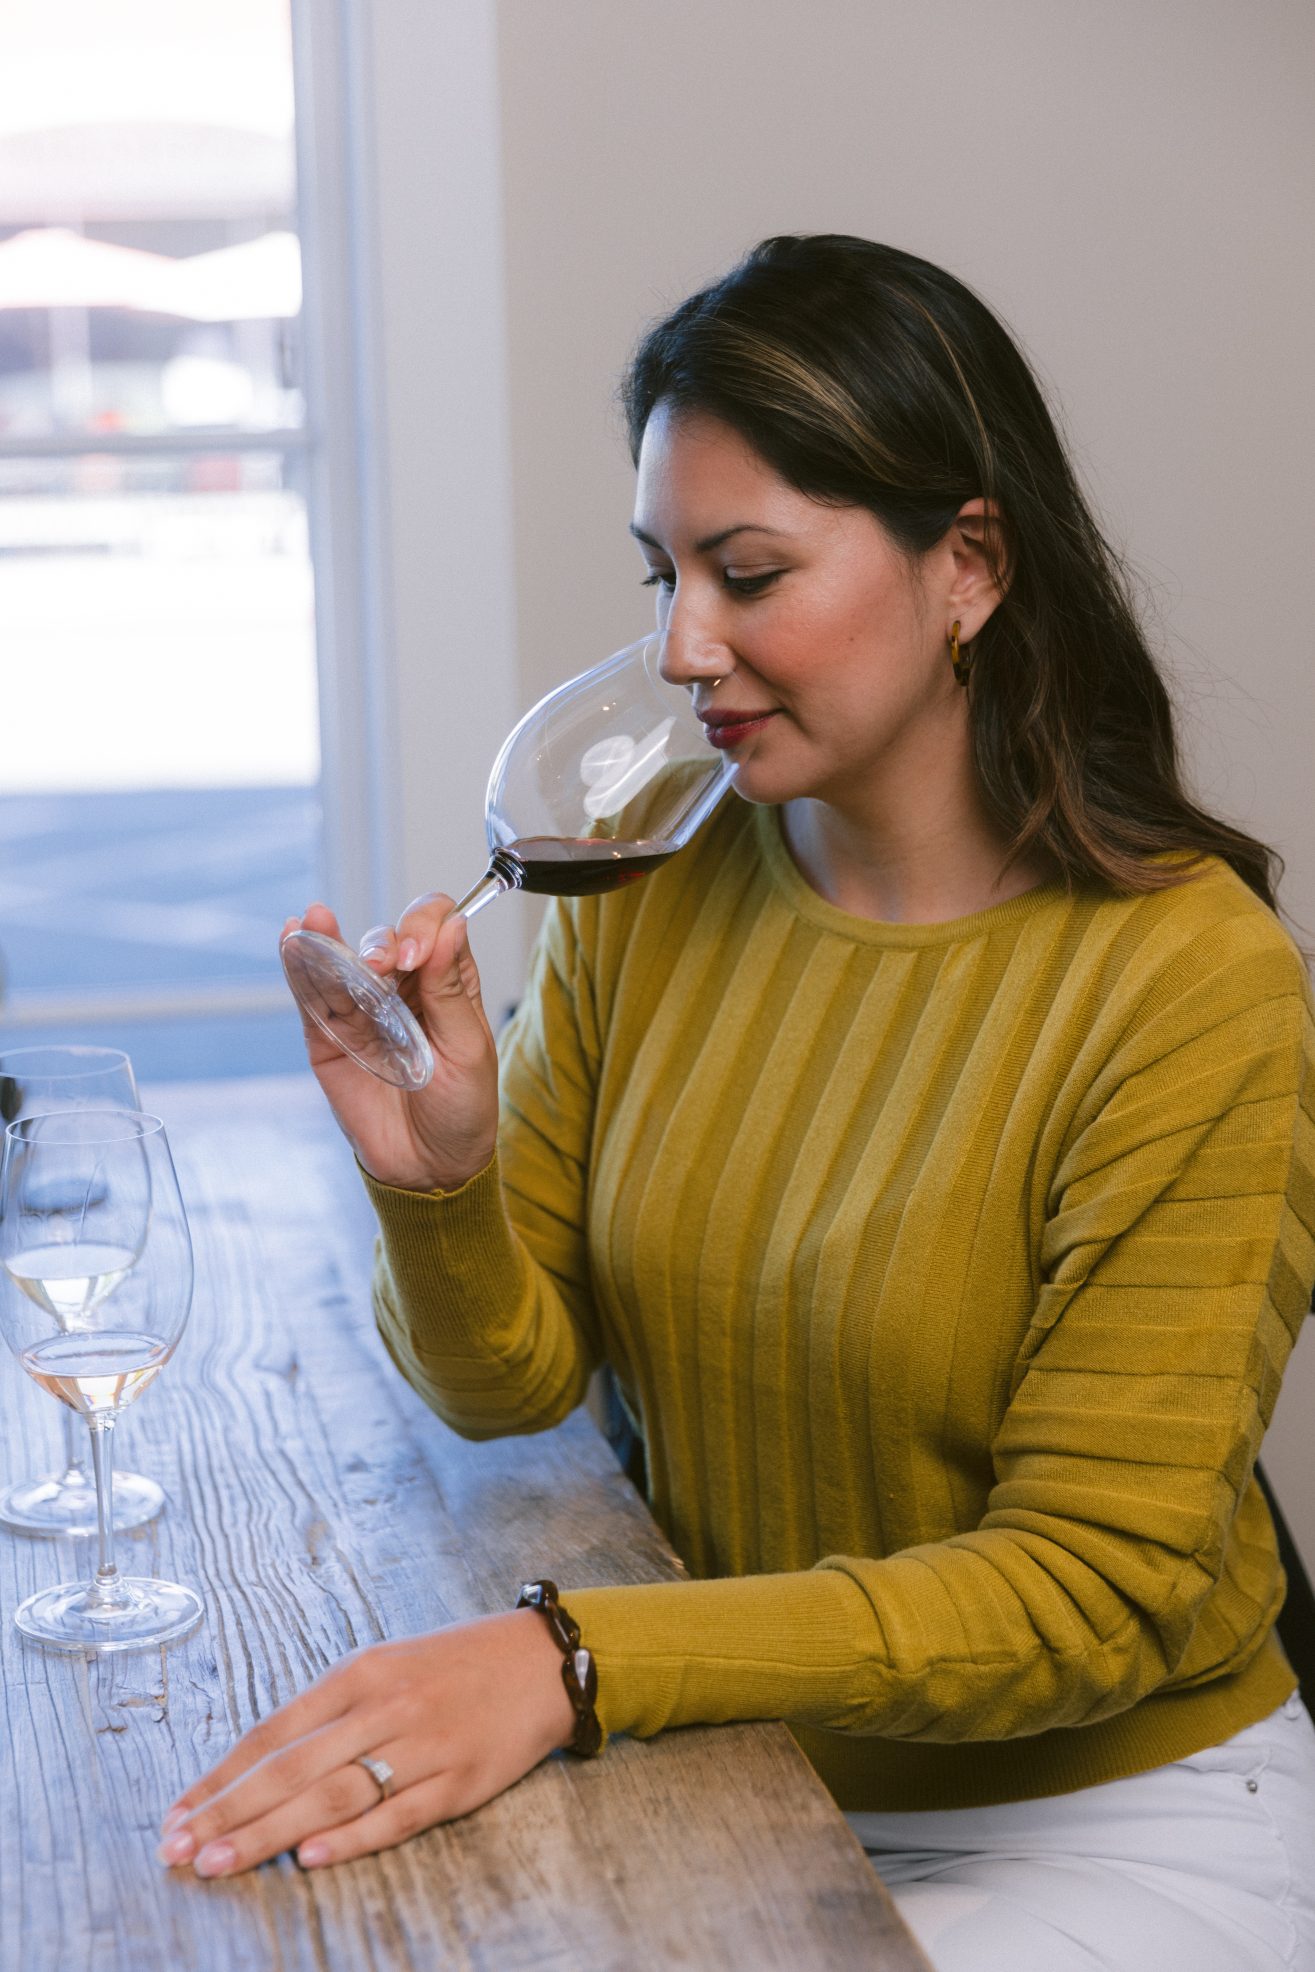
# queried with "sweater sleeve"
point(1177, 1261)
point(482, 1295)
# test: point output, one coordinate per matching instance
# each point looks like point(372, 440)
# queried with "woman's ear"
point(980, 573)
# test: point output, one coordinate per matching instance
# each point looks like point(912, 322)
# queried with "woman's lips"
point(728, 729)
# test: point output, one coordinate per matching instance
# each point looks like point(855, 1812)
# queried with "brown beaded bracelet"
point(578, 1672)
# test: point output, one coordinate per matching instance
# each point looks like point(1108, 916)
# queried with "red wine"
point(581, 866)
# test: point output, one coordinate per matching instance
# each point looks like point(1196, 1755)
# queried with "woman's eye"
point(740, 585)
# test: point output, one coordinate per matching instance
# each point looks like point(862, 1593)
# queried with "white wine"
point(68, 1281)
point(94, 1373)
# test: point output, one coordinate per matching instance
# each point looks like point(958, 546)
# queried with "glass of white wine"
point(33, 1081)
point(95, 1288)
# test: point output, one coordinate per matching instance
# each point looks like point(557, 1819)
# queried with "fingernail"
point(172, 1819)
point(311, 1854)
point(406, 954)
point(215, 1858)
point(177, 1848)
point(372, 951)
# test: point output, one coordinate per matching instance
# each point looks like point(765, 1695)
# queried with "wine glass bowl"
point(600, 783)
point(34, 1080)
point(64, 1076)
point(95, 1288)
point(611, 769)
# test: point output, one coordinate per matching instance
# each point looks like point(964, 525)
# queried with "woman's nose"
point(691, 652)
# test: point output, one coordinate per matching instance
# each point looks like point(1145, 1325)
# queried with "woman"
point(926, 1148)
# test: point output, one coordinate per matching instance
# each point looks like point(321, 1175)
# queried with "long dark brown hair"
point(868, 377)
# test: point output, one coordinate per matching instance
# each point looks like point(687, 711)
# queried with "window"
point(159, 780)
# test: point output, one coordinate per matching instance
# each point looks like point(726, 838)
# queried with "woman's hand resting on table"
point(458, 1716)
point(438, 1137)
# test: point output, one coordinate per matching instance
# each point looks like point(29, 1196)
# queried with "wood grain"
point(318, 1505)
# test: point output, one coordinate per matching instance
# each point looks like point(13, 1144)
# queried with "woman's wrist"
point(558, 1712)
point(579, 1679)
point(429, 1180)
point(454, 1179)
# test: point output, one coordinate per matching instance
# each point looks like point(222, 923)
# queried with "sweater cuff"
point(393, 1203)
point(449, 1254)
point(738, 1648)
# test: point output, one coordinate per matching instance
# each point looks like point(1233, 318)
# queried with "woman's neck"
point(919, 855)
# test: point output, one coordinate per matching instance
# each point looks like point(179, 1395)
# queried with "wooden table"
point(318, 1505)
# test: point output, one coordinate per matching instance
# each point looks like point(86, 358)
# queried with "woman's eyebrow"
point(709, 541)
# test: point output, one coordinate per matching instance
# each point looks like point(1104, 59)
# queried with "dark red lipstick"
point(727, 727)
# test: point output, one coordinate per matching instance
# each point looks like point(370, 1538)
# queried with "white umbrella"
point(258, 280)
point(54, 267)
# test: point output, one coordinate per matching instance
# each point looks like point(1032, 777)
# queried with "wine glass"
point(33, 1080)
point(601, 782)
point(95, 1286)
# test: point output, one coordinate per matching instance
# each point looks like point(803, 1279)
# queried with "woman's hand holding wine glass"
point(437, 1137)
point(599, 784)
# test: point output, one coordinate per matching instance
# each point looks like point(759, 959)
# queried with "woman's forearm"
point(486, 1334)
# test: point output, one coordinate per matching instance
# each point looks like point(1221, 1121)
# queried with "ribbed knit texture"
point(949, 1271)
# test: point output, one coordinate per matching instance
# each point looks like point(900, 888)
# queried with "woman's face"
point(830, 644)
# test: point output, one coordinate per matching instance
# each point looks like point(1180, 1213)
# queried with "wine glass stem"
point(492, 884)
point(105, 1589)
point(74, 1473)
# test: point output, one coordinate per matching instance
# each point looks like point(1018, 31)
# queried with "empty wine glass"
point(95, 1287)
point(601, 782)
point(32, 1081)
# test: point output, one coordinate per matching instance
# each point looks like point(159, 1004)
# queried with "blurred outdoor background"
point(159, 800)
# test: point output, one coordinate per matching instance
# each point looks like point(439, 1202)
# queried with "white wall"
point(1132, 187)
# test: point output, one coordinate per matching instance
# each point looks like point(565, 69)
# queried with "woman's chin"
point(764, 781)
point(770, 784)
point(759, 789)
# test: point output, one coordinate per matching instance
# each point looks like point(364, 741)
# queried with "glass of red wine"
point(601, 782)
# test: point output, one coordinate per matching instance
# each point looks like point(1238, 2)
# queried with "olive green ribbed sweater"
point(949, 1270)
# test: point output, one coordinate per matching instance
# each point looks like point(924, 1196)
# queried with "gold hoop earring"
point(961, 663)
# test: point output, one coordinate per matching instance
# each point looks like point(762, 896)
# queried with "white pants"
point(1207, 1865)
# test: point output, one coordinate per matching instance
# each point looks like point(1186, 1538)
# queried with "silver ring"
point(379, 1771)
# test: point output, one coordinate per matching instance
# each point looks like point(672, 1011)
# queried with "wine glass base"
point(360, 1012)
point(54, 1508)
point(152, 1613)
